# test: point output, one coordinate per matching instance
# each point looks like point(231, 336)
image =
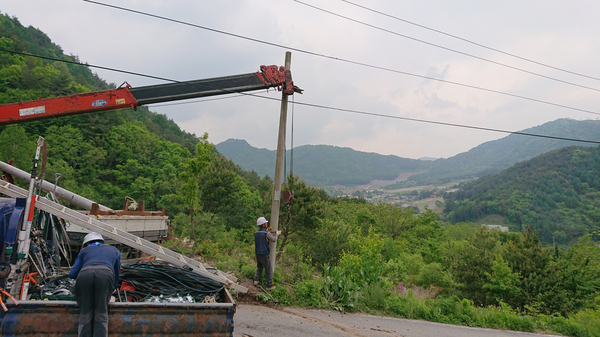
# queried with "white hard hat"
point(93, 236)
point(261, 221)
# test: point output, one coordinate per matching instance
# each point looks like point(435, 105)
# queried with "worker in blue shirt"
point(96, 271)
point(262, 237)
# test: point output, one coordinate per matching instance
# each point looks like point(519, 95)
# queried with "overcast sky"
point(563, 34)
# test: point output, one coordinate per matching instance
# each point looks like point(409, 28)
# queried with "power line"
point(470, 41)
point(445, 48)
point(427, 121)
point(315, 105)
point(341, 59)
point(87, 65)
point(118, 71)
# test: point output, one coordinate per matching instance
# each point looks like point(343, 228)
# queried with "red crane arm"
point(67, 105)
point(128, 97)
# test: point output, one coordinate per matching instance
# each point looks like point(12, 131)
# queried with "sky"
point(345, 64)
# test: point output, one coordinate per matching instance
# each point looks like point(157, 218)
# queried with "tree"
point(302, 216)
point(470, 263)
point(223, 192)
point(191, 169)
point(502, 283)
point(17, 146)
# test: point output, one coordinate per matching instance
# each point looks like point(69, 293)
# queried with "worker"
point(262, 237)
point(96, 269)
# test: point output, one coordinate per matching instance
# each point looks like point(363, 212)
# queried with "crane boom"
point(129, 97)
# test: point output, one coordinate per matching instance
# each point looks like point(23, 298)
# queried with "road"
point(255, 321)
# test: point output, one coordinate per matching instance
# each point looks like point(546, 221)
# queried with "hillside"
point(103, 156)
point(28, 78)
point(322, 165)
point(497, 155)
point(556, 193)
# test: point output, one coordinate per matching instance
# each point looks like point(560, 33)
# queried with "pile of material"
point(158, 281)
point(155, 281)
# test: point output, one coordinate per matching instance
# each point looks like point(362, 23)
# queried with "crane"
point(127, 96)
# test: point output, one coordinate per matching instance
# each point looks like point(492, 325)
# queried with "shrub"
point(307, 293)
point(339, 289)
point(374, 296)
point(433, 274)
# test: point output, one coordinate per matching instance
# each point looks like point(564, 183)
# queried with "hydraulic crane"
point(130, 97)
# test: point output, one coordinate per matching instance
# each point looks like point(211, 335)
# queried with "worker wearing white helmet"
point(262, 237)
point(96, 269)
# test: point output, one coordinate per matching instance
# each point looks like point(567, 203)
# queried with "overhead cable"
point(442, 47)
point(341, 59)
point(86, 65)
point(334, 108)
point(319, 106)
point(470, 41)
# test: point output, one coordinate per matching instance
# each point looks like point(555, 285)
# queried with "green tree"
point(17, 146)
point(301, 218)
point(502, 283)
point(191, 169)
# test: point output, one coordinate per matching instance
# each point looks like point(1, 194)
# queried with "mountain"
point(322, 165)
point(556, 193)
point(497, 155)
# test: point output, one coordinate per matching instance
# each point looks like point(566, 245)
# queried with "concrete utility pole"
point(279, 166)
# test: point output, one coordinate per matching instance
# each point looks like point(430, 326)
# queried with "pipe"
point(60, 192)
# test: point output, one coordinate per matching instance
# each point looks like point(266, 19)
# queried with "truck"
point(17, 237)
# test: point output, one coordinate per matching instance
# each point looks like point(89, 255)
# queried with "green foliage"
point(339, 289)
point(302, 217)
point(495, 156)
point(555, 193)
point(433, 275)
point(327, 243)
point(503, 282)
point(17, 146)
point(363, 261)
point(323, 165)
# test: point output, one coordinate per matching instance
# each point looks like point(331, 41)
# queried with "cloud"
point(128, 41)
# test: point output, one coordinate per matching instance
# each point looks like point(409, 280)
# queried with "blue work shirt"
point(103, 255)
point(261, 244)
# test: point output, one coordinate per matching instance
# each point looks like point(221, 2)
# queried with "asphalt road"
point(255, 321)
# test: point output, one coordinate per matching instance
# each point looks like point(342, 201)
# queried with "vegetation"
point(348, 167)
point(323, 165)
point(497, 155)
point(335, 253)
point(556, 194)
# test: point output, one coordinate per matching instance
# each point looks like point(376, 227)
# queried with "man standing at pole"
point(262, 237)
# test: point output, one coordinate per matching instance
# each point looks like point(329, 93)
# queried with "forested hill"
point(322, 165)
point(497, 155)
point(557, 194)
point(28, 78)
point(104, 156)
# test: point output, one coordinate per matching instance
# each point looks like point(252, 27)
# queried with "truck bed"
point(59, 318)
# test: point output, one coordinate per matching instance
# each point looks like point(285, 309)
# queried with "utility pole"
point(279, 167)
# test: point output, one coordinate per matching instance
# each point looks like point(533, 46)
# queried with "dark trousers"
point(93, 288)
point(263, 261)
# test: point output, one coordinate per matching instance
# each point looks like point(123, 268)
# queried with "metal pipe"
point(28, 218)
point(60, 192)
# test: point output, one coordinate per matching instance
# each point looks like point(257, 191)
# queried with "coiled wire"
point(161, 278)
